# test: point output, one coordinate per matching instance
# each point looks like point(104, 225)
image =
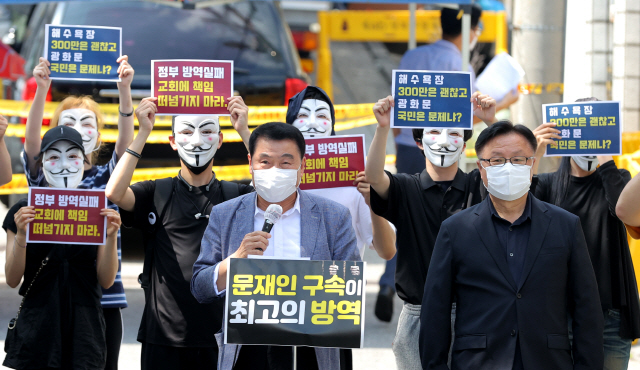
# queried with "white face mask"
point(508, 182)
point(84, 121)
point(275, 184)
point(442, 147)
point(314, 119)
point(63, 165)
point(197, 138)
point(586, 163)
point(474, 41)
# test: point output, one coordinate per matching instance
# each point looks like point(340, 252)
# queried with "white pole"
point(412, 26)
point(466, 29)
point(295, 358)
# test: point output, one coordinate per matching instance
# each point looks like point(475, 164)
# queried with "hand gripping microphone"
point(271, 217)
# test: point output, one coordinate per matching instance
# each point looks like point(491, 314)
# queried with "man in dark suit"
point(518, 269)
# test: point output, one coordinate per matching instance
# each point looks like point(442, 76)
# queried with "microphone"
point(271, 217)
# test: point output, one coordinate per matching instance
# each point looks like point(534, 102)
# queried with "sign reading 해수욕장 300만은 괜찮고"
point(192, 87)
point(84, 53)
point(295, 302)
point(431, 99)
point(587, 128)
point(332, 162)
point(67, 216)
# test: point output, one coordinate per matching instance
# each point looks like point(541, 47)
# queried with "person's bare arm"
point(107, 259)
point(125, 124)
point(628, 207)
point(545, 135)
point(374, 168)
point(117, 189)
point(384, 238)
point(240, 118)
point(484, 108)
point(32, 137)
point(16, 252)
point(5, 158)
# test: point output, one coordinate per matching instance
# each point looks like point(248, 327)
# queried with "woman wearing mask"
point(589, 187)
point(60, 324)
point(83, 114)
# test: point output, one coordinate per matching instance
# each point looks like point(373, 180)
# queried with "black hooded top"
point(310, 92)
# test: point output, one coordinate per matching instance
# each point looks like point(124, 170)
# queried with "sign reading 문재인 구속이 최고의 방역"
point(295, 302)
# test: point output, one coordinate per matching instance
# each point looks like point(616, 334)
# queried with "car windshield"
point(249, 33)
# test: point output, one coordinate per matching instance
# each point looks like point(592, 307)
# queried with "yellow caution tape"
point(19, 185)
point(257, 115)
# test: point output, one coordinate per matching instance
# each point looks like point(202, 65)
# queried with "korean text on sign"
point(67, 216)
point(294, 302)
point(332, 162)
point(86, 53)
point(192, 87)
point(587, 128)
point(432, 99)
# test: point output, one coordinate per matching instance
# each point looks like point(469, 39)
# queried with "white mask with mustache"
point(314, 119)
point(63, 165)
point(587, 163)
point(197, 138)
point(84, 121)
point(442, 146)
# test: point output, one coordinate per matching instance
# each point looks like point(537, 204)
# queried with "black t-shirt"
point(593, 198)
point(417, 206)
point(172, 316)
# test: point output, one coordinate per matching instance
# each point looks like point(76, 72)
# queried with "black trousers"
point(158, 357)
point(113, 323)
point(275, 358)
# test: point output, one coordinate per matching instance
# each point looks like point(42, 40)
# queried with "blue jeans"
point(616, 350)
point(389, 276)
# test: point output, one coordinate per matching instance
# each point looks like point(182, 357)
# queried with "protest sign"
point(83, 53)
point(67, 216)
point(192, 87)
point(295, 303)
point(332, 162)
point(587, 128)
point(431, 99)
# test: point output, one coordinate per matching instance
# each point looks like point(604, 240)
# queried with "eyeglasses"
point(501, 161)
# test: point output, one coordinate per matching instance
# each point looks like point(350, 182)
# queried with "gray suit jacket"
point(326, 234)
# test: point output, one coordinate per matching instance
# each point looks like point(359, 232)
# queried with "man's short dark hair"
point(502, 128)
point(419, 132)
point(277, 131)
point(451, 20)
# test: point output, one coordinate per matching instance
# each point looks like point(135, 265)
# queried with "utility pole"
point(626, 65)
point(538, 45)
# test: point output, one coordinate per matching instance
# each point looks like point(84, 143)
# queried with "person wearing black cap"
point(417, 205)
point(5, 159)
point(176, 331)
point(60, 324)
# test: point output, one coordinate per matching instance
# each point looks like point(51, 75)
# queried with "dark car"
point(253, 34)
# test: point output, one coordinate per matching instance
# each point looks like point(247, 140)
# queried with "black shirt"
point(593, 198)
point(62, 305)
point(417, 206)
point(513, 237)
point(172, 316)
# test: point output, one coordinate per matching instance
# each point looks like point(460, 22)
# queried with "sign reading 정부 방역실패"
point(67, 216)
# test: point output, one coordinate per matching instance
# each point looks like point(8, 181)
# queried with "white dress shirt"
point(285, 236)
